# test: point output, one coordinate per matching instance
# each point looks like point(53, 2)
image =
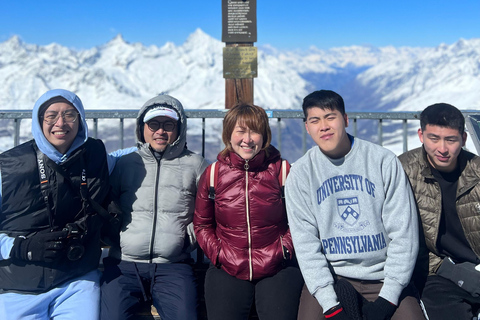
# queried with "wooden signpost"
point(239, 32)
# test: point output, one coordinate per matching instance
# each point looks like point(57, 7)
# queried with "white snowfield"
point(121, 75)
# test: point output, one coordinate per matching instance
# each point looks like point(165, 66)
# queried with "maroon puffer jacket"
point(245, 227)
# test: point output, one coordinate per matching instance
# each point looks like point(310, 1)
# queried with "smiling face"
point(60, 134)
point(160, 138)
point(327, 129)
point(246, 142)
point(443, 145)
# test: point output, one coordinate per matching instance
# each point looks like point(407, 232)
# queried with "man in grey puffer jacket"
point(156, 189)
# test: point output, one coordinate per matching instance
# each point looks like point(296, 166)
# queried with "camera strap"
point(45, 185)
point(87, 201)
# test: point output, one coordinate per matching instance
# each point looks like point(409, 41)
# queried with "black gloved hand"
point(349, 298)
point(46, 247)
point(336, 313)
point(380, 309)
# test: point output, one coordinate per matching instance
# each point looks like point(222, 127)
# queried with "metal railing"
point(355, 118)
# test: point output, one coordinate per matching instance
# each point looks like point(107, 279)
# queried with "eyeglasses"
point(168, 126)
point(69, 116)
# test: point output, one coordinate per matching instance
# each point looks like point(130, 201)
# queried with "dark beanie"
point(48, 103)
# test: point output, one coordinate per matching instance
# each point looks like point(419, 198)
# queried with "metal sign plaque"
point(239, 62)
point(239, 20)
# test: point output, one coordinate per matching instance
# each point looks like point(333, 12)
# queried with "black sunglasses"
point(168, 126)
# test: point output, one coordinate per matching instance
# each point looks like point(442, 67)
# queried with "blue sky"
point(282, 24)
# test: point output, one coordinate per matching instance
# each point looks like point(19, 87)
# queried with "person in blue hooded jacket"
point(49, 231)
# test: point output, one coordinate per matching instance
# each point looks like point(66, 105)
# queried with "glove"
point(349, 298)
point(46, 247)
point(380, 309)
point(336, 313)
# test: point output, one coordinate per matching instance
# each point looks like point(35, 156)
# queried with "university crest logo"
point(348, 210)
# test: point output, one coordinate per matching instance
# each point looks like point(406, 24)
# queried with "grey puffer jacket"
point(429, 199)
point(157, 197)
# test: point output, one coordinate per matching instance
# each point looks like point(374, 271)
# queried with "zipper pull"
point(246, 166)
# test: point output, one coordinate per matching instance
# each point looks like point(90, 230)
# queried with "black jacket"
point(24, 210)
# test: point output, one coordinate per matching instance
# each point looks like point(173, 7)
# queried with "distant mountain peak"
point(14, 41)
point(461, 44)
point(199, 33)
point(198, 38)
point(118, 40)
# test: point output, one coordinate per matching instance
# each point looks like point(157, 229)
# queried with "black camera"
point(75, 248)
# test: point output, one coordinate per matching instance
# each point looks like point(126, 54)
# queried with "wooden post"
point(239, 29)
point(238, 90)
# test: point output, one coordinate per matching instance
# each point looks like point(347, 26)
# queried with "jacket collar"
point(145, 151)
point(426, 170)
point(468, 177)
point(257, 163)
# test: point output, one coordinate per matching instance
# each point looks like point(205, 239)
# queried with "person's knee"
point(180, 303)
point(409, 308)
point(119, 301)
point(169, 311)
point(119, 310)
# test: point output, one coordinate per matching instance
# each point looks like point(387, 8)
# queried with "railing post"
point(380, 132)
point(405, 135)
point(16, 134)
point(279, 135)
point(304, 138)
point(95, 127)
point(203, 137)
point(121, 132)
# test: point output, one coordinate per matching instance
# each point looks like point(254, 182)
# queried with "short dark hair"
point(323, 99)
point(442, 115)
point(250, 115)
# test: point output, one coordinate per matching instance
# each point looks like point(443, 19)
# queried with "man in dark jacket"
point(49, 233)
point(446, 182)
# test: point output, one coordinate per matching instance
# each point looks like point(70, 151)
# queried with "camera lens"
point(75, 248)
point(75, 251)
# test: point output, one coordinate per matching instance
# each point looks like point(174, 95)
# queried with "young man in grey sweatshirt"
point(352, 216)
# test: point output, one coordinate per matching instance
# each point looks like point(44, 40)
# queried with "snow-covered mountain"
point(122, 75)
point(447, 73)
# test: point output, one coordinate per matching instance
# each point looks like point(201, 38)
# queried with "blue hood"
point(37, 131)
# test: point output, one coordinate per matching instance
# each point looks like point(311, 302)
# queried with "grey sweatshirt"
point(356, 213)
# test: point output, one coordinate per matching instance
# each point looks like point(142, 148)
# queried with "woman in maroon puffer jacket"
point(244, 230)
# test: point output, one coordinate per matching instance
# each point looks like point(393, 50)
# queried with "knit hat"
point(48, 103)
